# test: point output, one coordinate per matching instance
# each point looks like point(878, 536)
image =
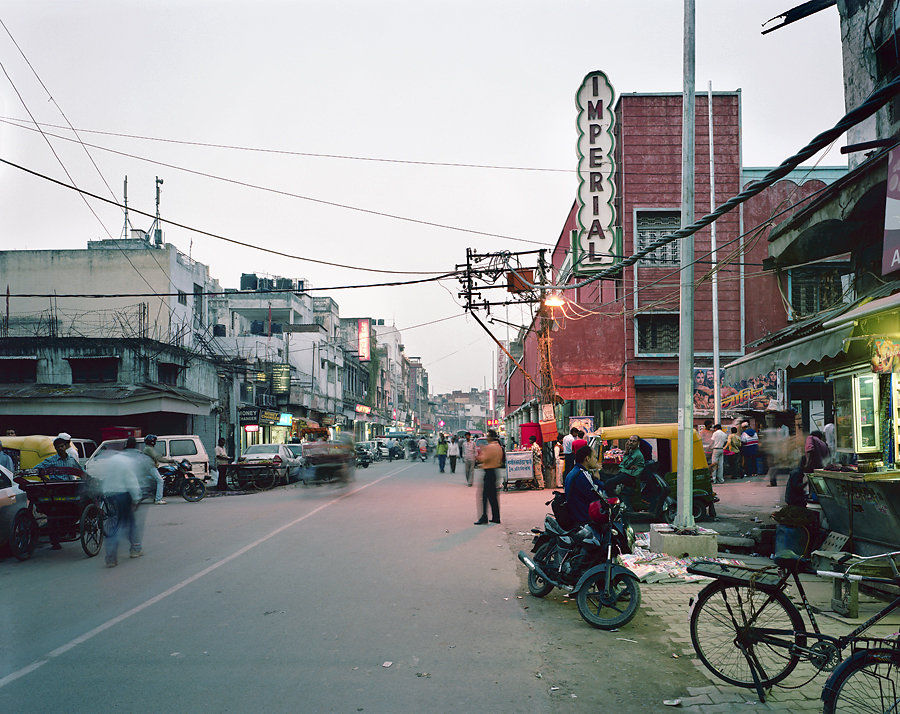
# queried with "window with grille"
point(652, 225)
point(167, 373)
point(657, 334)
point(94, 369)
point(814, 290)
point(18, 371)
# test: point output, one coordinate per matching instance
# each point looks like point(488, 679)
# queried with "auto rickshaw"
point(662, 442)
point(31, 449)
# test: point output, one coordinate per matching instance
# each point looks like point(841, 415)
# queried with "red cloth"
point(577, 444)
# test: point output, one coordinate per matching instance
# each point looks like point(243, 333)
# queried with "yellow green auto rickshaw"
point(31, 449)
point(659, 442)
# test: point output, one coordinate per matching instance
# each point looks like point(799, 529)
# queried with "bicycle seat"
point(791, 562)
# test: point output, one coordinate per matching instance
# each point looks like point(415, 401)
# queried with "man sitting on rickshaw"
point(62, 458)
point(630, 469)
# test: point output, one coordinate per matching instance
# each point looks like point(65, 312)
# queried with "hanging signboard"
point(890, 256)
point(597, 242)
point(281, 379)
point(248, 416)
point(582, 423)
point(365, 340)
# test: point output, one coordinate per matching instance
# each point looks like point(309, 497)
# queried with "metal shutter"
point(657, 406)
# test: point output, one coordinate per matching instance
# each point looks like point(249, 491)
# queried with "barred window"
point(657, 333)
point(652, 225)
point(817, 289)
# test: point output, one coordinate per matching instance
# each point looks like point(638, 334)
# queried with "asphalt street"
point(378, 597)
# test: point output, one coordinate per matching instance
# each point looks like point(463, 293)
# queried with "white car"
point(280, 456)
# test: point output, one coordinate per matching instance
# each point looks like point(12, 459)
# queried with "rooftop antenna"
point(126, 208)
point(157, 231)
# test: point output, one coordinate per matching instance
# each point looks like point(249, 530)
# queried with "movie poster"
point(757, 393)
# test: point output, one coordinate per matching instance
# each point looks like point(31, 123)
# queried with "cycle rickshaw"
point(64, 505)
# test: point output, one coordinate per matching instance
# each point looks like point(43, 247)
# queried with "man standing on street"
point(223, 460)
point(537, 458)
point(468, 449)
point(717, 444)
point(491, 458)
point(568, 456)
point(749, 448)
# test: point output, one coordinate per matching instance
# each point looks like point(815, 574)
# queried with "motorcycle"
point(363, 457)
point(583, 561)
point(179, 481)
point(640, 496)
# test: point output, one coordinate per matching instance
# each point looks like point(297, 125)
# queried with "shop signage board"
point(518, 466)
point(267, 416)
point(248, 416)
point(281, 379)
point(285, 419)
point(760, 393)
point(365, 340)
point(597, 241)
point(582, 423)
point(363, 409)
point(890, 256)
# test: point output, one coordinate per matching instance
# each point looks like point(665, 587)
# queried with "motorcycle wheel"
point(193, 490)
point(537, 586)
point(669, 513)
point(23, 535)
point(607, 610)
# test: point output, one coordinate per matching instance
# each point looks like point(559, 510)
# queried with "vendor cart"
point(519, 470)
point(256, 476)
point(65, 505)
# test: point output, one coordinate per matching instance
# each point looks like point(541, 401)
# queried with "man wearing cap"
point(62, 458)
point(72, 451)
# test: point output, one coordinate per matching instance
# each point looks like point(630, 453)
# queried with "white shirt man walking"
point(717, 441)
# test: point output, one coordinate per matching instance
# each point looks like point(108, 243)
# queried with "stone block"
point(664, 539)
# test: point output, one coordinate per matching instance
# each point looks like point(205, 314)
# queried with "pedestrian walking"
point(122, 492)
point(732, 454)
point(441, 451)
point(537, 458)
point(556, 475)
point(453, 452)
point(468, 449)
point(749, 448)
point(717, 447)
point(491, 459)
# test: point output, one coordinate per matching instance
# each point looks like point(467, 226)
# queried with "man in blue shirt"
point(581, 488)
point(61, 458)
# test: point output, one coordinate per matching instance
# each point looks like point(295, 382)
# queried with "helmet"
point(150, 439)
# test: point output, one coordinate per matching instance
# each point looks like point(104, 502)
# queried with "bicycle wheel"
point(726, 617)
point(869, 681)
point(110, 517)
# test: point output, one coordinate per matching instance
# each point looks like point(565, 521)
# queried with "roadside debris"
point(387, 664)
point(672, 702)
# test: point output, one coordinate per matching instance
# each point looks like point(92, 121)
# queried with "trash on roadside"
point(387, 664)
point(674, 656)
point(538, 675)
point(554, 689)
point(625, 639)
point(672, 702)
point(422, 674)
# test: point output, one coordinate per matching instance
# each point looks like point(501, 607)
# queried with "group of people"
point(738, 454)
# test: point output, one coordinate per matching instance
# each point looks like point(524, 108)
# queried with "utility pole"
point(685, 518)
point(717, 387)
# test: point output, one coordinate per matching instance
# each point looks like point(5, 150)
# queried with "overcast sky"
point(484, 82)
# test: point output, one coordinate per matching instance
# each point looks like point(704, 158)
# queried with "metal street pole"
point(717, 386)
point(685, 518)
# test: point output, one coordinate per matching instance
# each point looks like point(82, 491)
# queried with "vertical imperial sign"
point(597, 242)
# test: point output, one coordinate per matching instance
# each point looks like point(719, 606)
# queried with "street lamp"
point(554, 300)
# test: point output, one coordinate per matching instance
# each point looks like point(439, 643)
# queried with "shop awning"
point(793, 354)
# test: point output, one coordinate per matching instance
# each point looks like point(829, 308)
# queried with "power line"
point(289, 194)
point(217, 236)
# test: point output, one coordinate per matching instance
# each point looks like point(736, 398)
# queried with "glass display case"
point(856, 416)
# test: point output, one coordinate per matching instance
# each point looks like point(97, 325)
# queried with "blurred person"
point(490, 459)
point(706, 434)
point(775, 441)
point(119, 478)
point(468, 449)
point(150, 450)
point(423, 448)
point(453, 452)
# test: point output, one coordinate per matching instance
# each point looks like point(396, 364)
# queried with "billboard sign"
point(760, 393)
point(365, 340)
point(597, 241)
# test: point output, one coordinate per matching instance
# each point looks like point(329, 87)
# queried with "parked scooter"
point(363, 457)
point(582, 561)
point(179, 481)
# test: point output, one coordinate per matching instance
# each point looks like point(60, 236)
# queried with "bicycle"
point(747, 632)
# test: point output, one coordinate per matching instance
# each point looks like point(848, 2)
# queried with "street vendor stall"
point(519, 470)
point(863, 506)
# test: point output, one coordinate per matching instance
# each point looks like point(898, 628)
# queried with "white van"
point(181, 446)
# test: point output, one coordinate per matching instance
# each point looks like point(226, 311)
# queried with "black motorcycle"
point(583, 561)
point(363, 457)
point(651, 488)
point(179, 481)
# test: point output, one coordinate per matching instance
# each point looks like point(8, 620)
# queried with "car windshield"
point(295, 449)
point(262, 449)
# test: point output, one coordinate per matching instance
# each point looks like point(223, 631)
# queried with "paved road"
point(295, 599)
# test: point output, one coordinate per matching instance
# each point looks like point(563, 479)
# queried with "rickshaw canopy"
point(32, 449)
point(654, 431)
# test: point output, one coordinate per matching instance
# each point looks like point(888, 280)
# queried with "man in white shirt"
point(717, 442)
point(568, 456)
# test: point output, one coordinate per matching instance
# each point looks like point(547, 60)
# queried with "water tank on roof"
point(266, 284)
point(256, 327)
point(218, 330)
point(380, 322)
point(248, 281)
point(284, 284)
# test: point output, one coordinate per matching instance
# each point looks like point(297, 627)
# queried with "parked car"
point(297, 451)
point(179, 446)
point(85, 449)
point(279, 456)
point(12, 501)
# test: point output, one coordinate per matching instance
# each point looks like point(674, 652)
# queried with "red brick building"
point(614, 347)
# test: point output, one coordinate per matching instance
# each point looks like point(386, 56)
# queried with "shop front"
point(264, 426)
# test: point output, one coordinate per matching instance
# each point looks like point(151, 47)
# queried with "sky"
point(346, 110)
